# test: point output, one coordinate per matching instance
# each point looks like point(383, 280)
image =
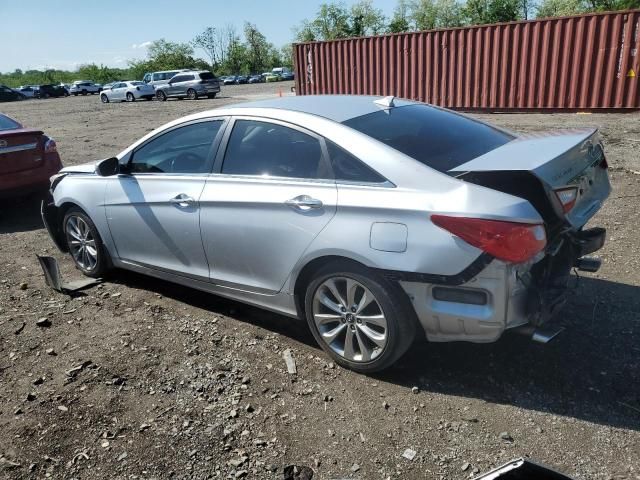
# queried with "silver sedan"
point(375, 220)
point(127, 92)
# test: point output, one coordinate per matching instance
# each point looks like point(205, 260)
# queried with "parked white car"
point(83, 87)
point(27, 90)
point(127, 91)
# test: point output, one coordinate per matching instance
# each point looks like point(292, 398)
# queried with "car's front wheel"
point(104, 98)
point(130, 97)
point(362, 320)
point(160, 95)
point(84, 243)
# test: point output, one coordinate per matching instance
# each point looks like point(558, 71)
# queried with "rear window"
point(207, 76)
point(7, 124)
point(437, 138)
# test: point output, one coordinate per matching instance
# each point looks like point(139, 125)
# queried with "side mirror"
point(108, 167)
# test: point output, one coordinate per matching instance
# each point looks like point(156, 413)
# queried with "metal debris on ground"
point(53, 278)
point(291, 363)
point(409, 454)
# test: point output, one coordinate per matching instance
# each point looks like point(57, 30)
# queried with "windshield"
point(7, 124)
point(437, 138)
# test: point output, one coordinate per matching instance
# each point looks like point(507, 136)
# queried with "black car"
point(256, 79)
point(8, 95)
point(241, 79)
point(229, 80)
point(50, 90)
point(287, 76)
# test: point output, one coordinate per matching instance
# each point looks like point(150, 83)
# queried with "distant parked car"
point(127, 91)
point(229, 80)
point(27, 90)
point(83, 87)
point(46, 91)
point(241, 79)
point(9, 95)
point(255, 79)
point(161, 78)
point(106, 86)
point(191, 85)
point(27, 159)
point(287, 76)
point(272, 77)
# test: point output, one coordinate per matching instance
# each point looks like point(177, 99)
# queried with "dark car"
point(27, 159)
point(287, 76)
point(51, 90)
point(256, 79)
point(229, 80)
point(9, 95)
point(241, 79)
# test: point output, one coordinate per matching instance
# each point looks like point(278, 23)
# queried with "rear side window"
point(348, 168)
point(207, 76)
point(439, 139)
point(182, 150)
point(271, 150)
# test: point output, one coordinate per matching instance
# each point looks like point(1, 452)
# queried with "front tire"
point(192, 94)
point(84, 243)
point(362, 320)
point(104, 98)
point(130, 97)
point(161, 96)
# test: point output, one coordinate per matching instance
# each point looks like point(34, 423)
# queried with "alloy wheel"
point(81, 243)
point(349, 319)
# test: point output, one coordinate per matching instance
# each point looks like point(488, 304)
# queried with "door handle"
point(183, 200)
point(304, 203)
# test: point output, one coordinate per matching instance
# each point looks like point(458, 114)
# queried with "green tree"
point(208, 41)
point(365, 19)
point(480, 12)
point(557, 8)
point(400, 20)
point(258, 49)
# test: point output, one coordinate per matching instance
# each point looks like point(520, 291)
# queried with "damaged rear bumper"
point(504, 296)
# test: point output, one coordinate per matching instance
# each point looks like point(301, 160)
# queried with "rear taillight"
point(50, 146)
point(508, 241)
point(567, 197)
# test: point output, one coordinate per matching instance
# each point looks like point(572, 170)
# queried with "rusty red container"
point(585, 62)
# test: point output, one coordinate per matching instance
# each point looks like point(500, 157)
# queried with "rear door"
point(154, 210)
point(20, 150)
point(271, 197)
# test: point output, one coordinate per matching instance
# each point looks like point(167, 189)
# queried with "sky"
point(64, 34)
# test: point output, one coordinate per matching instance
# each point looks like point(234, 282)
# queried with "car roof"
point(338, 108)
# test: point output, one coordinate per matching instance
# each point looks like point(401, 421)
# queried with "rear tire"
point(161, 96)
point(104, 98)
point(366, 330)
point(85, 244)
point(211, 95)
point(192, 94)
point(130, 97)
point(84, 92)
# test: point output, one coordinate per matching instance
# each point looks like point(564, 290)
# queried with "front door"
point(272, 196)
point(153, 209)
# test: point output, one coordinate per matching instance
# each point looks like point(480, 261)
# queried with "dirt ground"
point(139, 378)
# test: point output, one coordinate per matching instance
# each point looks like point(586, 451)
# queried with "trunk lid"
point(569, 158)
point(20, 149)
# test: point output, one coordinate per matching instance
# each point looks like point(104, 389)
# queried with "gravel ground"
point(139, 378)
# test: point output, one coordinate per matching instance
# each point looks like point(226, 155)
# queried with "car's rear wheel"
point(161, 96)
point(84, 92)
point(104, 98)
point(211, 95)
point(130, 97)
point(192, 94)
point(363, 321)
point(84, 243)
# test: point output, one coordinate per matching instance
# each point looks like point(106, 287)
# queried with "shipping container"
point(585, 62)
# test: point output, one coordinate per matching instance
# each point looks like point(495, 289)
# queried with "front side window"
point(271, 150)
point(178, 78)
point(181, 150)
point(437, 138)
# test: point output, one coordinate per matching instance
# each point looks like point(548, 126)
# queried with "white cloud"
point(137, 46)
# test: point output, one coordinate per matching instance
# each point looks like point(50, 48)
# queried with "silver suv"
point(191, 85)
